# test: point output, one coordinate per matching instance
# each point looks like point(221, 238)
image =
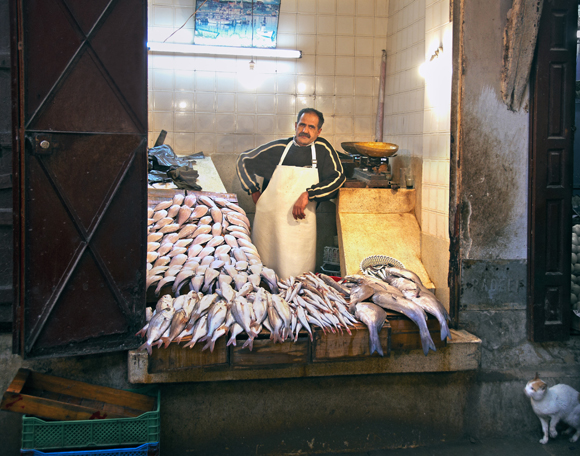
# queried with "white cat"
point(557, 403)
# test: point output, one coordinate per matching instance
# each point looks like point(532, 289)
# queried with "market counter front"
point(326, 355)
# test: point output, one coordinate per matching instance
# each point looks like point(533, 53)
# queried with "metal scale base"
point(368, 176)
point(371, 179)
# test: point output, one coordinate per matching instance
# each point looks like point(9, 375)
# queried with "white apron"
point(286, 245)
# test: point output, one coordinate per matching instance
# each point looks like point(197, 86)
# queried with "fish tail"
point(375, 346)
point(445, 332)
point(206, 346)
point(190, 344)
point(232, 341)
point(146, 346)
point(427, 342)
point(249, 343)
point(348, 330)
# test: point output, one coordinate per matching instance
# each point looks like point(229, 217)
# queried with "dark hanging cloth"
point(164, 166)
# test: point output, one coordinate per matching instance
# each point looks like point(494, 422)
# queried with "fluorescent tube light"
point(169, 48)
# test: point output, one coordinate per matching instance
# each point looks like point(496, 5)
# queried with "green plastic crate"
point(43, 435)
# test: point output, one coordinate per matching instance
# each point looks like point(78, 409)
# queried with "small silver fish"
point(216, 241)
point(199, 211)
point(199, 331)
point(184, 214)
point(202, 238)
point(158, 324)
point(162, 205)
point(206, 200)
point(178, 198)
point(216, 215)
point(189, 200)
point(201, 229)
point(173, 210)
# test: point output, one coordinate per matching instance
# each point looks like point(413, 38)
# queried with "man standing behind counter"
point(298, 172)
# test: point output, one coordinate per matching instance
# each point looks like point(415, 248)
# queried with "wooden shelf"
point(327, 354)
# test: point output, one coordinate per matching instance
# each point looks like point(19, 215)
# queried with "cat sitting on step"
point(552, 405)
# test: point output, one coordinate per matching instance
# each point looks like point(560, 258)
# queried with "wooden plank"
point(84, 390)
point(405, 333)
point(175, 357)
point(336, 346)
point(18, 382)
point(266, 353)
point(55, 410)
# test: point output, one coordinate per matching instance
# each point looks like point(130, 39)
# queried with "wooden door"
point(80, 175)
point(551, 154)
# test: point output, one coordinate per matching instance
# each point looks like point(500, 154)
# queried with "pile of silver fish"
point(197, 243)
point(399, 290)
point(302, 302)
point(201, 247)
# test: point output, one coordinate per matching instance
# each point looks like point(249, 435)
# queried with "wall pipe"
point(381, 105)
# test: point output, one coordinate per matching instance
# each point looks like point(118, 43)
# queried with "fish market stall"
point(217, 313)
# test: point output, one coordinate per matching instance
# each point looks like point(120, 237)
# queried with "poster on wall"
point(250, 23)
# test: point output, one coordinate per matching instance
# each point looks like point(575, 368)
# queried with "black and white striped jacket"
point(262, 161)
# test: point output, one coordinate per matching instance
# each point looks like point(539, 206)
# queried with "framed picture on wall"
point(251, 23)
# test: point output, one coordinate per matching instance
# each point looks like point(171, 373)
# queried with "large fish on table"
point(423, 298)
point(405, 273)
point(374, 317)
point(411, 310)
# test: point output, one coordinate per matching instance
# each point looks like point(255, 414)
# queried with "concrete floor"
point(520, 446)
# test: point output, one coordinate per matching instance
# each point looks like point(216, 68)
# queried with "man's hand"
point(299, 206)
point(256, 196)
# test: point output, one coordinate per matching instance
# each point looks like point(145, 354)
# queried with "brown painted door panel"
point(80, 168)
point(551, 141)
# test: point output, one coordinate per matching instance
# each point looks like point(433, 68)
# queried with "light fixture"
point(436, 53)
point(426, 64)
point(193, 49)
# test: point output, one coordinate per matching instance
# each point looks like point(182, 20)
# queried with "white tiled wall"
point(405, 88)
point(417, 109)
point(436, 138)
point(218, 105)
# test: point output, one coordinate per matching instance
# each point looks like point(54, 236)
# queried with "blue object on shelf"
point(147, 449)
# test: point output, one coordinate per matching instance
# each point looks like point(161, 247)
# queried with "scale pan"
point(349, 148)
point(375, 149)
